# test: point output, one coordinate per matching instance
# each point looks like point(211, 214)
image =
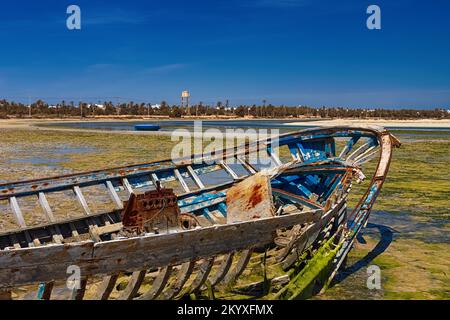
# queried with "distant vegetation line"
point(65, 109)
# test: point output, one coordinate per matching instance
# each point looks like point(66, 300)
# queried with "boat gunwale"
point(223, 155)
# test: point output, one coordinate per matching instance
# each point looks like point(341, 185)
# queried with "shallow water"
point(408, 226)
point(169, 125)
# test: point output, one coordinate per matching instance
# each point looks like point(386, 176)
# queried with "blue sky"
point(287, 52)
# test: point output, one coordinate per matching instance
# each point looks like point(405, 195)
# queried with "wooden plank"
point(17, 212)
point(181, 278)
point(250, 199)
point(242, 263)
point(368, 144)
point(106, 287)
point(78, 294)
point(181, 180)
point(90, 222)
point(222, 270)
point(228, 169)
point(158, 284)
point(82, 200)
point(274, 157)
point(366, 158)
point(46, 207)
point(349, 146)
point(42, 264)
point(363, 154)
point(247, 166)
point(202, 274)
point(154, 179)
point(133, 285)
point(207, 214)
point(45, 290)
point(197, 180)
point(21, 222)
point(54, 230)
point(114, 196)
point(109, 228)
point(127, 185)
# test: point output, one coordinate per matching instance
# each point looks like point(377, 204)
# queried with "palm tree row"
point(63, 109)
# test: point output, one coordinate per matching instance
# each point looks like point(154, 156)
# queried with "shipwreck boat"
point(203, 228)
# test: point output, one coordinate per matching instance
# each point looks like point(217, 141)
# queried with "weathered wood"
point(127, 185)
point(41, 264)
point(109, 228)
point(106, 287)
point(194, 175)
point(46, 207)
point(274, 157)
point(17, 212)
point(247, 166)
point(46, 290)
point(202, 274)
point(158, 284)
point(222, 270)
point(181, 278)
point(78, 294)
point(250, 199)
point(82, 201)
point(228, 169)
point(181, 180)
point(241, 264)
point(134, 283)
point(114, 196)
point(54, 230)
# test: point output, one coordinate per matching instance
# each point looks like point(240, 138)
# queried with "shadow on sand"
point(386, 236)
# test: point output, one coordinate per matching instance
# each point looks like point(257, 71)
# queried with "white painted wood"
point(127, 185)
point(17, 212)
point(246, 165)
point(181, 180)
point(46, 207)
point(115, 197)
point(82, 200)
point(194, 175)
point(228, 169)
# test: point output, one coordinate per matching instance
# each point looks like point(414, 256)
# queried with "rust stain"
point(255, 196)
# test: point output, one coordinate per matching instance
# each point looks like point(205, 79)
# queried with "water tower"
point(185, 95)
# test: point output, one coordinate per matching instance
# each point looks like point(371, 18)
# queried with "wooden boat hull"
point(310, 187)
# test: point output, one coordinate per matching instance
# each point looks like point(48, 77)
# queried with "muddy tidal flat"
point(407, 237)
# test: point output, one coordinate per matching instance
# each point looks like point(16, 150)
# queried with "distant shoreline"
point(420, 123)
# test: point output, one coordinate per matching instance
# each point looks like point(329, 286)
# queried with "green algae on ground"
point(410, 269)
point(418, 180)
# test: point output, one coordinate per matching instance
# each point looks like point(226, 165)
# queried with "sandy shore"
point(422, 123)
